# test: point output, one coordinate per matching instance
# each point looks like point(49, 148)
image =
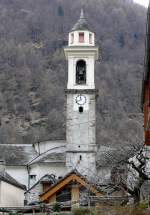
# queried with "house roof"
point(17, 154)
point(81, 24)
point(53, 155)
point(104, 156)
point(48, 178)
point(4, 176)
point(25, 154)
point(111, 156)
point(109, 188)
point(74, 176)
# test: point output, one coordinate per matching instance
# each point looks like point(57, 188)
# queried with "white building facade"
point(11, 195)
point(11, 191)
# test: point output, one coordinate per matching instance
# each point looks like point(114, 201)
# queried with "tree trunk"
point(137, 194)
point(136, 199)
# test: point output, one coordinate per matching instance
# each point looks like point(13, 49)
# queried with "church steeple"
point(81, 54)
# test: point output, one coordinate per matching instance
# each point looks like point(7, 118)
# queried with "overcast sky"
point(143, 2)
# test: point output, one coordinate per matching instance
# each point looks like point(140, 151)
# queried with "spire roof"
point(81, 24)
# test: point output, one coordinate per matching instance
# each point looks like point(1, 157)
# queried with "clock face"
point(81, 99)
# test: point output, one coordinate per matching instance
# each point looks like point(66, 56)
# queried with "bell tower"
point(81, 54)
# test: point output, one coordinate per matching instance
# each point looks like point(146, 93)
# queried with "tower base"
point(83, 162)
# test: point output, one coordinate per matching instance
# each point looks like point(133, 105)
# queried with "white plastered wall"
point(86, 165)
point(58, 169)
point(76, 38)
point(10, 195)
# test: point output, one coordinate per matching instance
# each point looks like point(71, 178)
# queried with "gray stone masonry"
point(81, 137)
point(33, 194)
point(147, 151)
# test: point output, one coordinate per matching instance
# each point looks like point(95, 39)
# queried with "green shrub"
point(94, 212)
point(143, 205)
point(56, 207)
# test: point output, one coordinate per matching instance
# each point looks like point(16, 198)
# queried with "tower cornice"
point(75, 50)
point(82, 91)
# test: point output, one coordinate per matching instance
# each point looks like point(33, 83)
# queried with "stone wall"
point(81, 137)
point(33, 194)
point(147, 149)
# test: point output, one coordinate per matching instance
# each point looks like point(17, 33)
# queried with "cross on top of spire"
point(82, 14)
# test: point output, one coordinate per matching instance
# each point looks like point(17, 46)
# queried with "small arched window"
point(81, 72)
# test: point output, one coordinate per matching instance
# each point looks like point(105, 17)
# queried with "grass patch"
point(130, 210)
point(84, 211)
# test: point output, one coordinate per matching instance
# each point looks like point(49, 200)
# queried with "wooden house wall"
point(146, 109)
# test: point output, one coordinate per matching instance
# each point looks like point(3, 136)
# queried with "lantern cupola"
point(80, 34)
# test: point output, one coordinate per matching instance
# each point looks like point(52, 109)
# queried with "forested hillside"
point(33, 70)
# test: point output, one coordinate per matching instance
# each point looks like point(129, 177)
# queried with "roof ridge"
point(10, 180)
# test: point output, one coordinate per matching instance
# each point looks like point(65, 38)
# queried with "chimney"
point(2, 166)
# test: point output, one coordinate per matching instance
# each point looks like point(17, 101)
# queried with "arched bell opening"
point(81, 72)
